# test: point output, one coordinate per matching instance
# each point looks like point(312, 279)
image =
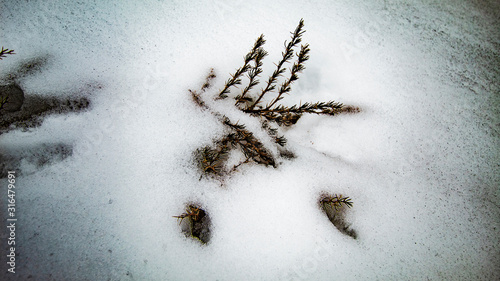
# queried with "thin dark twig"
point(235, 78)
point(287, 55)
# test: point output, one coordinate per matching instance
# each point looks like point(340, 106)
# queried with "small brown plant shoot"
point(5, 52)
point(195, 223)
point(334, 207)
point(192, 212)
point(335, 201)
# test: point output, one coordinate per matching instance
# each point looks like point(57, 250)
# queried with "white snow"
point(420, 160)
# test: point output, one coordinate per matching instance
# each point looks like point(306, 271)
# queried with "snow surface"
point(420, 161)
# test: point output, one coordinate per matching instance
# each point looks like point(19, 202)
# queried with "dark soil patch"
point(195, 223)
point(34, 157)
point(36, 107)
point(335, 208)
point(11, 97)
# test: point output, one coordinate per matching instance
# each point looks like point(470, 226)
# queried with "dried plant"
point(334, 207)
point(335, 201)
point(5, 52)
point(192, 212)
point(212, 159)
point(197, 223)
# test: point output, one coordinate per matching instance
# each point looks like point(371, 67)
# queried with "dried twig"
point(5, 52)
point(212, 159)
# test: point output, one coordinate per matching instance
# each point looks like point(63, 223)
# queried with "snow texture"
point(420, 161)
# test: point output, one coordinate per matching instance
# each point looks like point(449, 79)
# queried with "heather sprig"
point(287, 55)
point(212, 159)
point(5, 52)
point(197, 223)
point(335, 201)
point(236, 77)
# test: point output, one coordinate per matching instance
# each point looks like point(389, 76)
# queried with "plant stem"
point(235, 78)
point(287, 55)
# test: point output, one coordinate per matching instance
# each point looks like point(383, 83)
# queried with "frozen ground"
point(420, 161)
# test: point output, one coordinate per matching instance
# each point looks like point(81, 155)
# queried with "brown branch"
point(287, 55)
point(235, 78)
point(5, 52)
point(296, 68)
point(253, 74)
